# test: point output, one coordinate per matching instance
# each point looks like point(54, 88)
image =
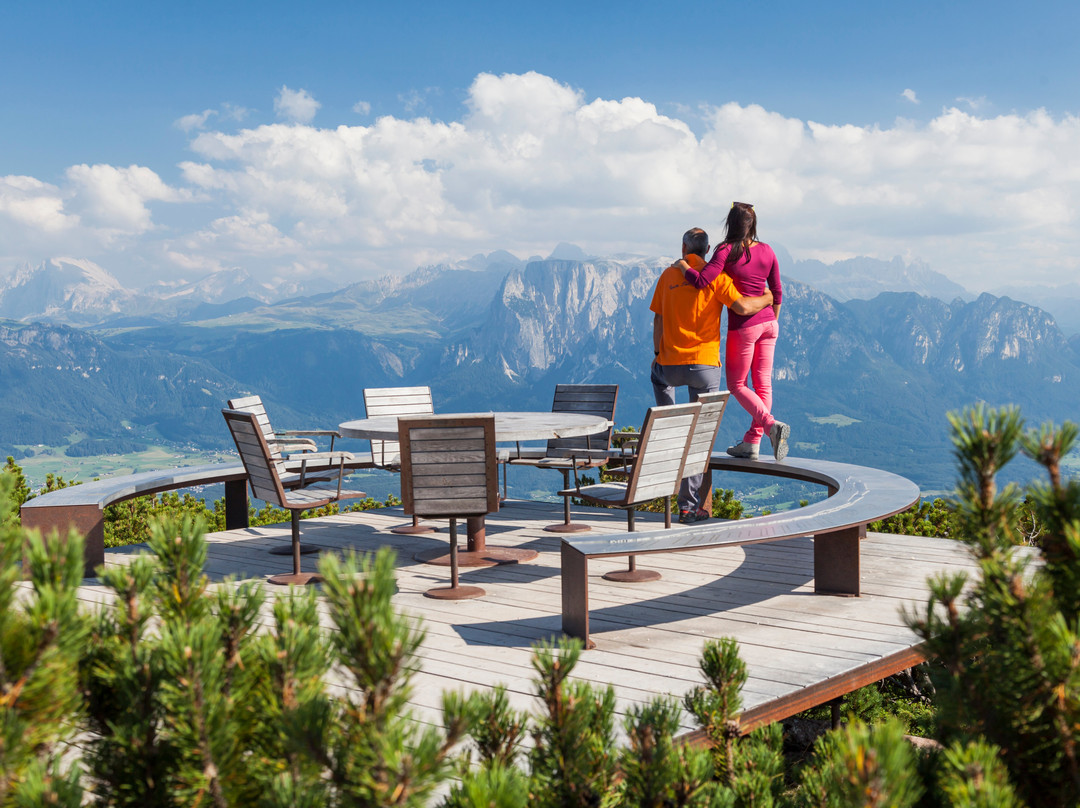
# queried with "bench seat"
point(82, 506)
point(857, 495)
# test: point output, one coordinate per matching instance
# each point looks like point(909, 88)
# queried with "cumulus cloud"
point(247, 233)
point(362, 107)
point(532, 162)
point(115, 199)
point(234, 112)
point(415, 101)
point(295, 105)
point(910, 96)
point(97, 207)
point(30, 203)
point(196, 120)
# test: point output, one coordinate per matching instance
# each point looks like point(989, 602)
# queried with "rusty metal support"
point(836, 561)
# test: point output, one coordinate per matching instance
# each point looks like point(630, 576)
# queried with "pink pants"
point(750, 353)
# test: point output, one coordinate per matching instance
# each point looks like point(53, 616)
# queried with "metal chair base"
point(632, 576)
point(455, 592)
point(567, 527)
point(295, 579)
point(414, 528)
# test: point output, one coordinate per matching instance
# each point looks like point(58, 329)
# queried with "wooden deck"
point(801, 648)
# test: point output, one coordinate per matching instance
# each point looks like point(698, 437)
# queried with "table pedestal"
point(478, 554)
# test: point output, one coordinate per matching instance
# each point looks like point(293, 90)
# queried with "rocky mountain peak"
point(65, 289)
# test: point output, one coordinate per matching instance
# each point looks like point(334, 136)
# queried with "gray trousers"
point(694, 489)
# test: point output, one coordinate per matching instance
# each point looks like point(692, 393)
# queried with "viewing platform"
point(801, 649)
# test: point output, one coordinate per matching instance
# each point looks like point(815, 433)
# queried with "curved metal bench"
point(857, 495)
point(82, 506)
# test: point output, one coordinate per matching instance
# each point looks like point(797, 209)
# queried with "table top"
point(509, 426)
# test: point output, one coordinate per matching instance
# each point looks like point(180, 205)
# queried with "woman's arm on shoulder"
point(703, 278)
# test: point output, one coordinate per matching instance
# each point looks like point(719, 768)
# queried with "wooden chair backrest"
point(254, 405)
point(380, 401)
point(256, 455)
point(661, 454)
point(708, 424)
point(448, 465)
point(587, 399)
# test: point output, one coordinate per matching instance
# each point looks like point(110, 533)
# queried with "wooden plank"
point(440, 439)
point(446, 475)
point(798, 647)
point(467, 454)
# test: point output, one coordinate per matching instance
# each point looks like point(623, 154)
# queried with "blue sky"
point(354, 139)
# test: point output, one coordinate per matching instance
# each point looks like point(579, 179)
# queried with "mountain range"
point(860, 380)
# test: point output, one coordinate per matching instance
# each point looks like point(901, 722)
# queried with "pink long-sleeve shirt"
point(750, 278)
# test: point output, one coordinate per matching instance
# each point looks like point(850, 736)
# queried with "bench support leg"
point(236, 504)
point(86, 519)
point(836, 562)
point(575, 595)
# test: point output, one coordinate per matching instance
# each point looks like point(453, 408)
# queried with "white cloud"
point(973, 104)
point(246, 234)
point(414, 100)
point(295, 105)
point(910, 96)
point(533, 162)
point(362, 107)
point(196, 120)
point(114, 200)
point(234, 112)
point(27, 202)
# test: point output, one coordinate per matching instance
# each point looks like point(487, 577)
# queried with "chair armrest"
point(333, 434)
point(288, 446)
point(319, 459)
point(591, 454)
point(622, 437)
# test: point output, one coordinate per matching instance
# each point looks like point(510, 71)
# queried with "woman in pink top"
point(751, 339)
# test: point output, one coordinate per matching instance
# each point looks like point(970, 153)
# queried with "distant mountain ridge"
point(864, 381)
point(866, 278)
point(81, 293)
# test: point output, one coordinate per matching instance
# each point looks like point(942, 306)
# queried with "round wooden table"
point(510, 427)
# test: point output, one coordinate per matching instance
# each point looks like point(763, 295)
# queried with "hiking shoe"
point(700, 515)
point(687, 517)
point(778, 436)
point(744, 449)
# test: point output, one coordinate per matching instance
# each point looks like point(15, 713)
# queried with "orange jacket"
point(691, 317)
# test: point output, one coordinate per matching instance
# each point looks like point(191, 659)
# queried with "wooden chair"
point(449, 471)
point(295, 449)
point(302, 463)
point(264, 469)
point(386, 454)
point(286, 442)
point(588, 399)
point(699, 453)
point(703, 439)
point(656, 472)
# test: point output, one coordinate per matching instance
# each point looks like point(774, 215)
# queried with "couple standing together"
point(690, 295)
